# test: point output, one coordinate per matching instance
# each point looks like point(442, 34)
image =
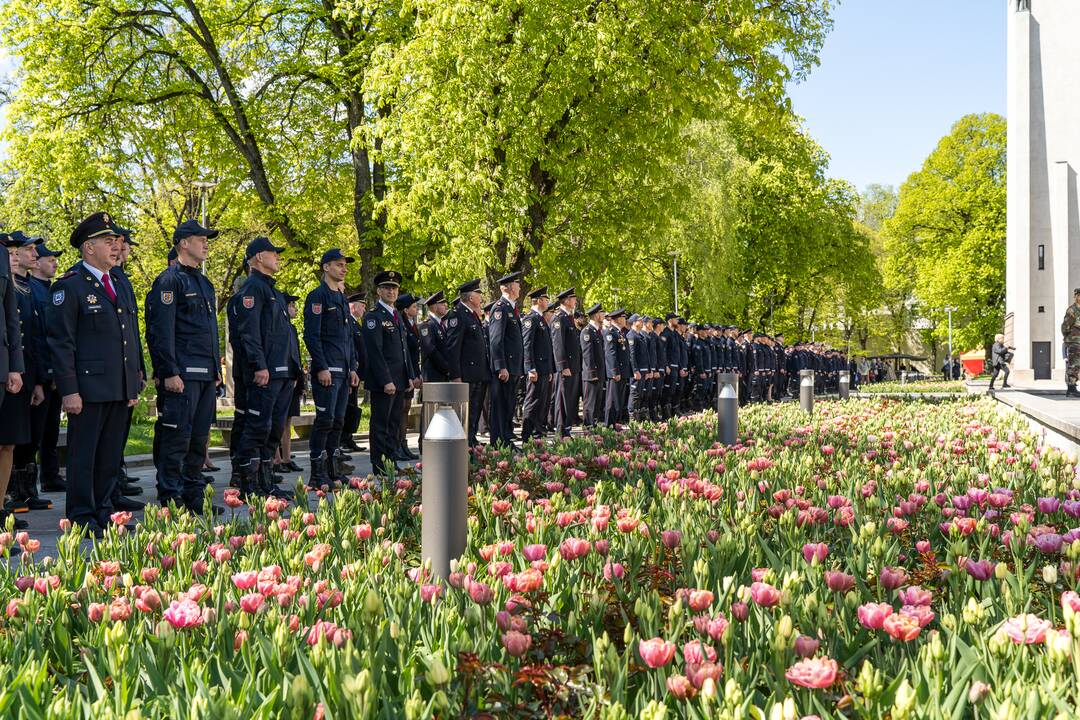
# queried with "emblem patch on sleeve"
point(58, 297)
point(498, 314)
point(371, 323)
point(316, 308)
point(424, 332)
point(249, 301)
point(452, 322)
point(166, 297)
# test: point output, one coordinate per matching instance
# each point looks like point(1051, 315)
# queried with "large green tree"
point(948, 231)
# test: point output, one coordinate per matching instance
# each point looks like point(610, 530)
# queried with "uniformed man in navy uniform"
point(262, 329)
point(94, 343)
point(408, 307)
point(433, 340)
point(41, 276)
point(468, 351)
point(593, 367)
point(328, 337)
point(640, 368)
point(239, 373)
point(124, 485)
point(539, 365)
point(566, 349)
point(616, 367)
point(182, 336)
point(389, 373)
point(507, 363)
point(357, 308)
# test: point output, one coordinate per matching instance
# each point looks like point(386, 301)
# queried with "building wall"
point(1044, 153)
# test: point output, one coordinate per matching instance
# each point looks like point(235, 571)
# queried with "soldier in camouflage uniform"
point(1070, 329)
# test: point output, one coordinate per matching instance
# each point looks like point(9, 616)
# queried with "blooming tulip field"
point(879, 560)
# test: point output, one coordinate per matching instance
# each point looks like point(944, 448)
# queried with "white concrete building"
point(1043, 249)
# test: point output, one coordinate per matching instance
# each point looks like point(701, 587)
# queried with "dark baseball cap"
point(335, 254)
point(191, 228)
point(261, 244)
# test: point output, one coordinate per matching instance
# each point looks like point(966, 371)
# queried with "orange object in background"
point(973, 362)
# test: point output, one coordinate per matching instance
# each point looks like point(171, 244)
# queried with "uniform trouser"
point(330, 401)
point(501, 429)
point(593, 401)
point(182, 430)
point(534, 410)
point(267, 407)
point(636, 400)
point(239, 416)
point(353, 413)
point(999, 369)
point(613, 401)
point(385, 420)
point(477, 396)
point(50, 434)
point(566, 399)
point(624, 401)
point(403, 422)
point(95, 445)
point(26, 453)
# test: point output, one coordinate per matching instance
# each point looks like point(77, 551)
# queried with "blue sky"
point(895, 75)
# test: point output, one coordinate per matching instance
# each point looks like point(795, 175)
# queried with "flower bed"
point(915, 388)
point(884, 560)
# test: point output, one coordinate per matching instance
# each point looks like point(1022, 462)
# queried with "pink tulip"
point(764, 594)
point(656, 652)
point(574, 548)
point(1070, 600)
point(516, 643)
point(184, 614)
point(696, 652)
point(699, 600)
point(681, 687)
point(716, 627)
point(430, 593)
point(740, 611)
point(700, 672)
point(872, 615)
point(245, 580)
point(839, 582)
point(95, 612)
point(602, 547)
point(806, 646)
point(1027, 629)
point(613, 570)
point(916, 595)
point(252, 603)
point(533, 553)
point(815, 551)
point(902, 627)
point(121, 518)
point(892, 577)
point(480, 593)
point(813, 673)
point(671, 538)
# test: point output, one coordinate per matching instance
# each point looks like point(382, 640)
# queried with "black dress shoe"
point(281, 468)
point(211, 467)
point(130, 490)
point(350, 444)
point(55, 484)
point(291, 466)
point(125, 503)
point(409, 454)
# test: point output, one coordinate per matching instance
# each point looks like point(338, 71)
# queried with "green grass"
point(915, 388)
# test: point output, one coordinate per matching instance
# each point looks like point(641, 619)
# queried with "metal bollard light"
point(445, 480)
point(727, 409)
point(845, 384)
point(806, 391)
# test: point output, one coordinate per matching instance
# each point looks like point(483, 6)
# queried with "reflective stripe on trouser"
point(181, 432)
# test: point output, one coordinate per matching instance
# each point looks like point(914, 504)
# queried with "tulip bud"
point(905, 701)
point(784, 627)
point(978, 692)
point(1001, 571)
point(1049, 574)
point(373, 604)
point(628, 634)
point(437, 674)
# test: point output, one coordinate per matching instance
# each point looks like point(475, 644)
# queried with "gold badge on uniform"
point(92, 299)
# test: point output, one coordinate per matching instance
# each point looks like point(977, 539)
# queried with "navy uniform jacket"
point(94, 342)
point(660, 343)
point(412, 341)
point(467, 346)
point(536, 337)
point(671, 347)
point(639, 353)
point(296, 368)
point(11, 352)
point(232, 320)
point(648, 339)
point(593, 364)
point(263, 327)
point(565, 346)
point(39, 291)
point(386, 349)
point(31, 328)
point(123, 283)
point(327, 334)
point(699, 356)
point(616, 354)
point(433, 349)
point(181, 325)
point(504, 335)
point(359, 351)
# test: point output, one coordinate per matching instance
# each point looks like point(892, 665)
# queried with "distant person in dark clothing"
point(1000, 357)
